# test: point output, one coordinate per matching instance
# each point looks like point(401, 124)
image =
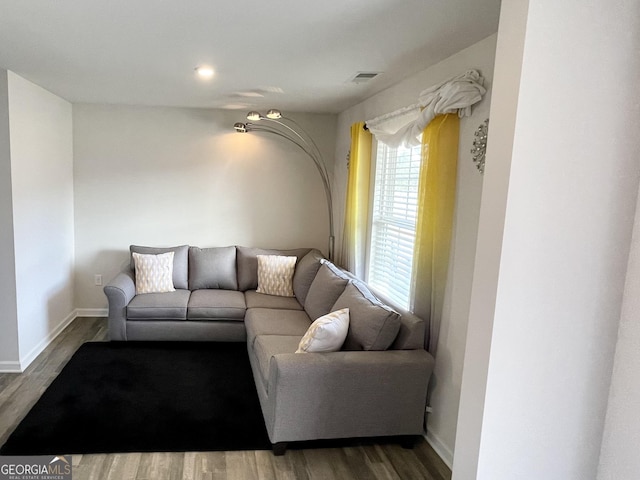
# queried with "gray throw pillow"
point(372, 325)
point(247, 263)
point(325, 289)
point(212, 268)
point(306, 271)
point(180, 261)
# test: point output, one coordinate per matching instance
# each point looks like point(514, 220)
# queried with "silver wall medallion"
point(480, 145)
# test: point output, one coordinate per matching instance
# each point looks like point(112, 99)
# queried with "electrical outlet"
point(97, 279)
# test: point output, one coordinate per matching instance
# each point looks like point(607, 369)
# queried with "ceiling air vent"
point(363, 77)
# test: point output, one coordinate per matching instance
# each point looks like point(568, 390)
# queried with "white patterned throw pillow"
point(275, 275)
point(154, 273)
point(326, 334)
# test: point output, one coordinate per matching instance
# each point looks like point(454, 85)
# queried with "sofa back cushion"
point(180, 261)
point(306, 271)
point(325, 289)
point(212, 268)
point(373, 325)
point(411, 333)
point(247, 263)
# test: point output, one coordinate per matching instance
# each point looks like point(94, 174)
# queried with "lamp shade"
point(254, 116)
point(240, 127)
point(274, 114)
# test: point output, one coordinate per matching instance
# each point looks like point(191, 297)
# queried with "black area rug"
point(146, 397)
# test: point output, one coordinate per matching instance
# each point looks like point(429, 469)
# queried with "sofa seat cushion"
point(216, 305)
point(260, 300)
point(159, 306)
point(267, 321)
point(266, 346)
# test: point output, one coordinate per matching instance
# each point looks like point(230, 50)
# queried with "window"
point(393, 222)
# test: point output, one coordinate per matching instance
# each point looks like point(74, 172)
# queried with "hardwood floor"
point(18, 393)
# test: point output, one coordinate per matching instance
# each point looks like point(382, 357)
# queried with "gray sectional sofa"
point(375, 386)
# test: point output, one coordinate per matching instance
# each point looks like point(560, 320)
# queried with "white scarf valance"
point(404, 126)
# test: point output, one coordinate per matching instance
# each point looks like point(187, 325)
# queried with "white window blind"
point(393, 223)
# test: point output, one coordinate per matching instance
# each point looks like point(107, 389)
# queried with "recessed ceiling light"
point(204, 72)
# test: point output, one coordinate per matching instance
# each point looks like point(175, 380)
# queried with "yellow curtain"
point(357, 206)
point(436, 202)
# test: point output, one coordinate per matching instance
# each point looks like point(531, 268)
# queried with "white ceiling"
point(299, 54)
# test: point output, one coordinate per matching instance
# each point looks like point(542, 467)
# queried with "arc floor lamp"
point(273, 122)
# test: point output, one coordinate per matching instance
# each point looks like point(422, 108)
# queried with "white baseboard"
point(10, 367)
point(26, 360)
point(92, 312)
point(443, 451)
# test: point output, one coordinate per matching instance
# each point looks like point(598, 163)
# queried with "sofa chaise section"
point(378, 387)
point(339, 395)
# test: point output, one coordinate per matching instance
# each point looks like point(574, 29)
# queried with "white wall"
point(448, 370)
point(9, 353)
point(504, 104)
point(42, 195)
point(171, 176)
point(570, 204)
point(619, 457)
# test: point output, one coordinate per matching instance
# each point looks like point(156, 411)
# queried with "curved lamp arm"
point(308, 140)
point(309, 147)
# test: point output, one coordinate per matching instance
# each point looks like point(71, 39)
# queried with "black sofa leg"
point(279, 448)
point(409, 441)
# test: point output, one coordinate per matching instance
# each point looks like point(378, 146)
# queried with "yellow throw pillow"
point(275, 275)
point(154, 273)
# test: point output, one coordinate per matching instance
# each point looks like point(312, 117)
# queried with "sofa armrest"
point(348, 394)
point(119, 292)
